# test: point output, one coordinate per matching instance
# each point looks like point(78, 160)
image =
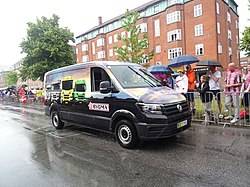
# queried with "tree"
point(135, 46)
point(11, 78)
point(46, 48)
point(245, 41)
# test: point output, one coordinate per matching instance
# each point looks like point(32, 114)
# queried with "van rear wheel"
point(56, 120)
point(126, 134)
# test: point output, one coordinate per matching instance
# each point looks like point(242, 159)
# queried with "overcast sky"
point(78, 15)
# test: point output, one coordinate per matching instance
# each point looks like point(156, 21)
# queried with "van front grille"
point(172, 110)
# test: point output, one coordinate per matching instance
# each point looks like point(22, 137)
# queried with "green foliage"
point(11, 78)
point(245, 41)
point(134, 48)
point(46, 47)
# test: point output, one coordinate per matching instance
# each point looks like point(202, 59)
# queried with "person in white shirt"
point(181, 82)
point(214, 77)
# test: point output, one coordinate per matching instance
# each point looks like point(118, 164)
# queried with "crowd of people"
point(236, 88)
point(22, 94)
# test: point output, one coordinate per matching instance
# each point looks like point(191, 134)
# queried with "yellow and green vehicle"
point(67, 89)
point(79, 91)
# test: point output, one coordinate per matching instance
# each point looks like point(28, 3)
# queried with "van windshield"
point(67, 85)
point(134, 76)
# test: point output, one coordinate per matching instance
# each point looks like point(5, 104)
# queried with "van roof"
point(86, 64)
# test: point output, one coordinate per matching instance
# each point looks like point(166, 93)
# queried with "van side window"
point(56, 86)
point(97, 76)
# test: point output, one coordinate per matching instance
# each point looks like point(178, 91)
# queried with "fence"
point(216, 116)
point(225, 114)
point(25, 99)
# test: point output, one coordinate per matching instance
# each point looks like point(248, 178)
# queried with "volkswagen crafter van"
point(122, 98)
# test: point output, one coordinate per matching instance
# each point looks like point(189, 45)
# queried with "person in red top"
point(191, 85)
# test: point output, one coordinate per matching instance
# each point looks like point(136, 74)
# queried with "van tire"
point(56, 120)
point(126, 134)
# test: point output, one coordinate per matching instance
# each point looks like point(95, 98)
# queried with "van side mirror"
point(105, 87)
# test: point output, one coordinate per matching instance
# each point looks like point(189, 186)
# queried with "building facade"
point(207, 29)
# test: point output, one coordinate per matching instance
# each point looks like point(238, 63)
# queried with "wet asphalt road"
point(33, 153)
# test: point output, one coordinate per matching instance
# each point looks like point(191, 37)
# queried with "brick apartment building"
point(207, 29)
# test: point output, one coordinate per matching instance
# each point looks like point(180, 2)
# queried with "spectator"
point(214, 78)
point(181, 82)
point(246, 97)
point(206, 97)
point(161, 80)
point(232, 89)
point(191, 85)
point(170, 80)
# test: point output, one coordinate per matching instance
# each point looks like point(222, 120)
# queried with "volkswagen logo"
point(179, 107)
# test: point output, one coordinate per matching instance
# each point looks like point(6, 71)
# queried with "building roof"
point(140, 8)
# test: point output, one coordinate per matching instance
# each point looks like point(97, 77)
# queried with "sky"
point(78, 15)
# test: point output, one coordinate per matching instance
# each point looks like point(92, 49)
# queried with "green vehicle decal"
point(79, 91)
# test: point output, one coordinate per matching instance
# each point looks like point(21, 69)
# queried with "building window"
point(237, 24)
point(116, 54)
point(198, 10)
point(111, 52)
point(123, 34)
point(173, 17)
point(85, 47)
point(143, 27)
point(93, 48)
point(129, 34)
point(174, 52)
point(158, 49)
point(172, 2)
point(199, 30)
point(116, 38)
point(199, 49)
point(218, 27)
point(85, 58)
point(219, 48)
point(156, 8)
point(100, 42)
point(157, 28)
point(229, 34)
point(142, 14)
point(228, 17)
point(144, 59)
point(237, 39)
point(174, 35)
point(230, 51)
point(101, 31)
point(238, 54)
point(110, 40)
point(217, 8)
point(76, 50)
point(101, 54)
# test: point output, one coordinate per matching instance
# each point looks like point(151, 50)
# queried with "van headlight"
point(150, 108)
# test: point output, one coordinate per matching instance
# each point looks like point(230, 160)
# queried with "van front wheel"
point(56, 120)
point(126, 134)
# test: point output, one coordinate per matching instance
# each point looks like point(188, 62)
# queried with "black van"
point(119, 97)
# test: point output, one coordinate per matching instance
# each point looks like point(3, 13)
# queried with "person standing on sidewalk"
point(206, 97)
point(191, 85)
point(214, 77)
point(246, 97)
point(232, 89)
point(181, 83)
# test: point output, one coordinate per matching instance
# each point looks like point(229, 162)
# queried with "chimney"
point(100, 20)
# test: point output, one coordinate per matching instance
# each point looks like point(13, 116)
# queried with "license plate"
point(181, 124)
